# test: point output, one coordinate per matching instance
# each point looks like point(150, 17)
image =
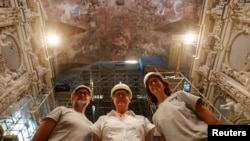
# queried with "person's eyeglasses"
point(120, 94)
point(78, 93)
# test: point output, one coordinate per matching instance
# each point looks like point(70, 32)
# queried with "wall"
point(26, 74)
point(221, 68)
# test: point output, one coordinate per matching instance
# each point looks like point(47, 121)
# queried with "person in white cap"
point(68, 124)
point(122, 124)
point(180, 116)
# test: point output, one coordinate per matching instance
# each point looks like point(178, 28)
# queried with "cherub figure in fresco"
point(177, 10)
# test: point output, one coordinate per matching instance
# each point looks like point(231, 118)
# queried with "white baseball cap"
point(121, 86)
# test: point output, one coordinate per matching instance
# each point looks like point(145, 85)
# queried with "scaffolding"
point(101, 77)
point(21, 124)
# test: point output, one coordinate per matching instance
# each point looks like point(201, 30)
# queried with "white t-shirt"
point(131, 127)
point(72, 125)
point(176, 119)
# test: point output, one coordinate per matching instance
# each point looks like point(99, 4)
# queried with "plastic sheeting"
point(150, 60)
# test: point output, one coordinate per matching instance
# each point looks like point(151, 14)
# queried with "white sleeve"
point(97, 126)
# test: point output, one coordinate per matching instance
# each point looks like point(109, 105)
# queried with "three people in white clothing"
point(179, 116)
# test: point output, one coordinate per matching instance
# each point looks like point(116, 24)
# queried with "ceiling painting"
point(116, 30)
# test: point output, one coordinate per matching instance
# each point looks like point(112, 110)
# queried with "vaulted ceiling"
point(115, 30)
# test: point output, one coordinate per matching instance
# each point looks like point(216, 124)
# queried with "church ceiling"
point(116, 30)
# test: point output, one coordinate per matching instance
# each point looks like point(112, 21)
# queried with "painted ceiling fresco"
point(116, 30)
